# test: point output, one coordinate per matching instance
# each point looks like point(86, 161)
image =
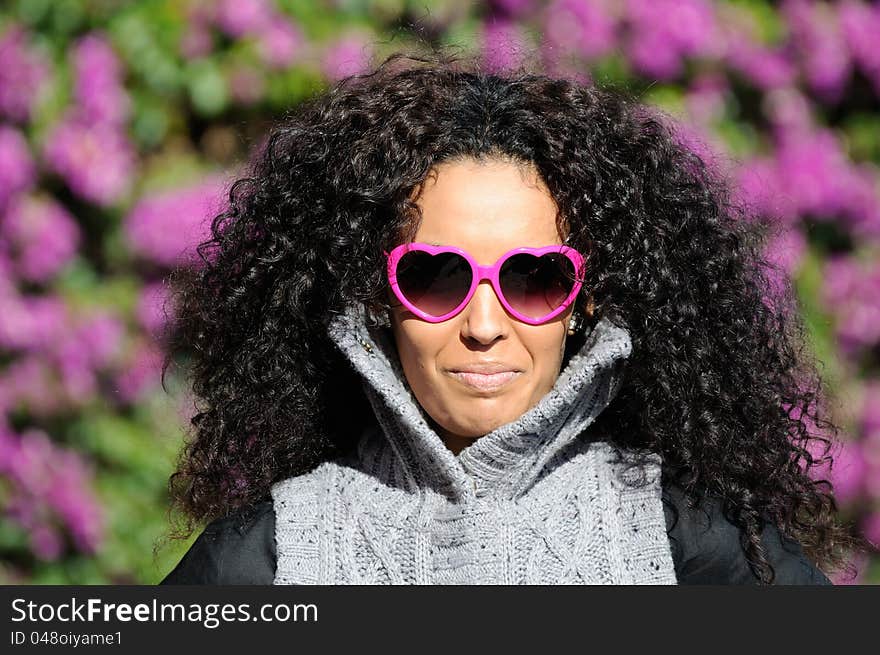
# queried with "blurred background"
point(123, 123)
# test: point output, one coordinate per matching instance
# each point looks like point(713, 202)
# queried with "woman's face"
point(486, 209)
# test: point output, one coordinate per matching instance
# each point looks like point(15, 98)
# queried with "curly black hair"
point(721, 382)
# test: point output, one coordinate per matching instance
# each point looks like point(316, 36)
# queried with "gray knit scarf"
point(532, 502)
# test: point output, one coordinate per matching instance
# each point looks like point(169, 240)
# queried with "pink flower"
point(859, 189)
point(166, 227)
point(79, 383)
point(49, 492)
point(851, 291)
point(758, 188)
point(860, 23)
point(847, 472)
point(766, 68)
point(280, 43)
point(841, 280)
point(789, 111)
point(504, 45)
point(240, 17)
point(700, 142)
point(29, 382)
point(785, 252)
point(32, 323)
point(153, 307)
point(664, 32)
point(95, 159)
point(98, 87)
point(812, 167)
point(46, 542)
point(23, 75)
point(197, 40)
point(141, 374)
point(819, 39)
point(348, 55)
point(588, 28)
point(706, 98)
point(42, 234)
point(99, 337)
point(17, 170)
point(246, 84)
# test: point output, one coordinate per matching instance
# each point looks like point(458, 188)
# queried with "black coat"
point(240, 549)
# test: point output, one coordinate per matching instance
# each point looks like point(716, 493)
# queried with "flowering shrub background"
point(122, 125)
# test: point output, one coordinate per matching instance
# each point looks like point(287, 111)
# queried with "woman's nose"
point(485, 318)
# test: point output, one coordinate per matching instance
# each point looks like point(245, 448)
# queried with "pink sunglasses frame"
point(481, 273)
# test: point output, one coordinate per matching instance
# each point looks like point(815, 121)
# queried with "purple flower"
point(586, 27)
point(48, 490)
point(79, 384)
point(95, 159)
point(246, 84)
point(152, 307)
point(851, 291)
point(69, 497)
point(17, 171)
point(141, 373)
point(94, 342)
point(859, 188)
point(847, 472)
point(241, 17)
point(46, 542)
point(348, 55)
point(32, 323)
point(197, 40)
point(280, 43)
point(766, 68)
point(663, 32)
point(99, 337)
point(812, 168)
point(23, 75)
point(758, 188)
point(785, 252)
point(504, 45)
point(818, 37)
point(29, 382)
point(860, 24)
point(166, 227)
point(42, 234)
point(58, 357)
point(706, 98)
point(841, 280)
point(701, 143)
point(788, 111)
point(98, 89)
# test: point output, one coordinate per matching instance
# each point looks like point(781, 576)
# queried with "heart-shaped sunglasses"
point(533, 284)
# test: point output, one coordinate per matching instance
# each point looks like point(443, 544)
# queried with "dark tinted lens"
point(535, 286)
point(436, 284)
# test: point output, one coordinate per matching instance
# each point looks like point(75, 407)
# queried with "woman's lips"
point(484, 381)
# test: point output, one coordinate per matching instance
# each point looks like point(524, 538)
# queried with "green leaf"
point(207, 87)
point(808, 282)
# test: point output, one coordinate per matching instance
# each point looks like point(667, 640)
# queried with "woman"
point(468, 328)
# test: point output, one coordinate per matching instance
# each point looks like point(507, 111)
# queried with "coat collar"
point(506, 462)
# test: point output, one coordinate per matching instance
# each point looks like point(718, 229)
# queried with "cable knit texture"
point(532, 502)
